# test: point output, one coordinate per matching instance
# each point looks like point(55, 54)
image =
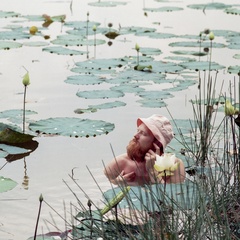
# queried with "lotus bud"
point(137, 47)
point(94, 28)
point(26, 80)
point(33, 30)
point(41, 198)
point(211, 36)
point(229, 109)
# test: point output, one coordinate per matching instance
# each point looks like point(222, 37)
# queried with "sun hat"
point(160, 127)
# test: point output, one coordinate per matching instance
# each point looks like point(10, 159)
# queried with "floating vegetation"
point(163, 9)
point(6, 184)
point(97, 94)
point(106, 4)
point(72, 127)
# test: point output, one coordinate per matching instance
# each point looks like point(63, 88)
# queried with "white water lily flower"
point(165, 164)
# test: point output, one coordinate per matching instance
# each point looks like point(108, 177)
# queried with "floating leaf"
point(152, 103)
point(158, 95)
point(201, 65)
point(106, 4)
point(95, 94)
point(234, 69)
point(209, 6)
point(6, 184)
point(128, 88)
point(5, 45)
point(163, 9)
point(63, 51)
point(235, 11)
point(196, 44)
point(4, 14)
point(12, 136)
point(72, 127)
point(108, 105)
point(84, 79)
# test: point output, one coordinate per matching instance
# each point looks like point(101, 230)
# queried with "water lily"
point(211, 36)
point(166, 164)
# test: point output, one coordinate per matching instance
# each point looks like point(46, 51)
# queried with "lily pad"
point(201, 65)
point(108, 105)
point(235, 11)
point(163, 9)
point(96, 94)
point(11, 136)
point(128, 88)
point(63, 51)
point(84, 80)
point(72, 127)
point(196, 44)
point(106, 4)
point(158, 95)
point(6, 184)
point(6, 45)
point(209, 6)
point(13, 35)
point(152, 103)
point(234, 69)
point(5, 14)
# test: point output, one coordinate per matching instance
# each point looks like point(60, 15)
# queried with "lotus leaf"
point(165, 67)
point(108, 105)
point(106, 4)
point(79, 25)
point(72, 127)
point(152, 103)
point(13, 35)
point(6, 184)
point(150, 51)
point(237, 56)
point(194, 53)
point(102, 63)
point(184, 195)
point(235, 11)
point(63, 51)
point(96, 94)
point(6, 45)
point(157, 35)
point(36, 44)
point(4, 14)
point(234, 69)
point(9, 135)
point(84, 79)
point(209, 6)
point(201, 65)
point(163, 9)
point(155, 95)
point(197, 44)
point(13, 149)
point(128, 88)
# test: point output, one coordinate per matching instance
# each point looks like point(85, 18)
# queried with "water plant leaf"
point(72, 127)
point(235, 11)
point(234, 69)
point(152, 103)
point(165, 67)
point(150, 51)
point(128, 88)
point(209, 6)
point(108, 105)
point(63, 51)
point(158, 95)
point(13, 35)
point(6, 14)
point(13, 149)
point(95, 94)
point(6, 45)
point(36, 44)
point(163, 9)
point(196, 44)
point(11, 136)
point(106, 4)
point(201, 65)
point(6, 184)
point(84, 79)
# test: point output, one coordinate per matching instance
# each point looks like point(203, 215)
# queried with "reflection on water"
point(25, 177)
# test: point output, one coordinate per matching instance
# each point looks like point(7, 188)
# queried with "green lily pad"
point(6, 184)
point(36, 44)
point(194, 53)
point(106, 4)
point(150, 51)
point(63, 51)
point(108, 105)
point(234, 69)
point(13, 149)
point(84, 80)
point(196, 44)
point(5, 14)
point(201, 65)
point(235, 11)
point(128, 88)
point(209, 6)
point(6, 45)
point(96, 94)
point(79, 25)
point(72, 127)
point(155, 95)
point(165, 67)
point(9, 135)
point(13, 35)
point(163, 9)
point(152, 103)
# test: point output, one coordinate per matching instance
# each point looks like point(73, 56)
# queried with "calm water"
point(56, 157)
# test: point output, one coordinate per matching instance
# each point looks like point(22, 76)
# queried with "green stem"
point(39, 211)
point(24, 107)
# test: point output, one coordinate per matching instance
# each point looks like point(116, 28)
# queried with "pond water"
point(46, 169)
